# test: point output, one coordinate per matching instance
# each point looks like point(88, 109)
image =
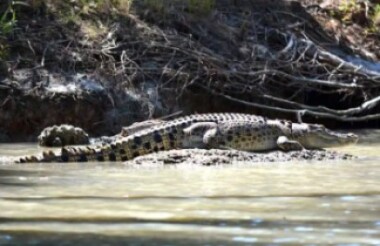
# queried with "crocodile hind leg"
point(210, 138)
point(286, 144)
point(205, 132)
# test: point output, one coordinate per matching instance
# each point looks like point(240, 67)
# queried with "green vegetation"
point(202, 7)
point(77, 10)
point(347, 7)
point(7, 22)
point(376, 18)
point(197, 7)
point(93, 16)
point(351, 11)
point(80, 20)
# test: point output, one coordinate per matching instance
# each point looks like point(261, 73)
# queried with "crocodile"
point(243, 132)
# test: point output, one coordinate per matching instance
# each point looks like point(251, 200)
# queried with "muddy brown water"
point(303, 203)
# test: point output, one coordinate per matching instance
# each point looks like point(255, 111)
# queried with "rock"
point(62, 135)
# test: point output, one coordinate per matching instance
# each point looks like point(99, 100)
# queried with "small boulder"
point(62, 135)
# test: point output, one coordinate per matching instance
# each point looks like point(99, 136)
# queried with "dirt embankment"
point(104, 65)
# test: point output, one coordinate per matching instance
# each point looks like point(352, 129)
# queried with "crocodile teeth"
point(45, 154)
point(65, 151)
point(31, 159)
point(90, 150)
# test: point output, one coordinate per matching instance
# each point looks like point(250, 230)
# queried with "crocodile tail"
point(74, 154)
point(121, 150)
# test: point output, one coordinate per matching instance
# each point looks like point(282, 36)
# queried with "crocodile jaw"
point(313, 136)
point(328, 140)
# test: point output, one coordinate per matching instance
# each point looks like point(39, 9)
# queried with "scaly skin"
point(223, 131)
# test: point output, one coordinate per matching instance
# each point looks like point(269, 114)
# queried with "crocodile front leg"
point(286, 144)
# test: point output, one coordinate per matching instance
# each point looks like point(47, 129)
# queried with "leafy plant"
point(374, 26)
point(8, 20)
point(202, 7)
point(376, 15)
point(347, 7)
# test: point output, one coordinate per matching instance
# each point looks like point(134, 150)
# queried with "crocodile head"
point(313, 136)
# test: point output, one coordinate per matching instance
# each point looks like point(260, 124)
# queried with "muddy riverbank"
point(101, 67)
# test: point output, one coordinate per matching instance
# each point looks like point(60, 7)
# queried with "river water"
point(303, 203)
